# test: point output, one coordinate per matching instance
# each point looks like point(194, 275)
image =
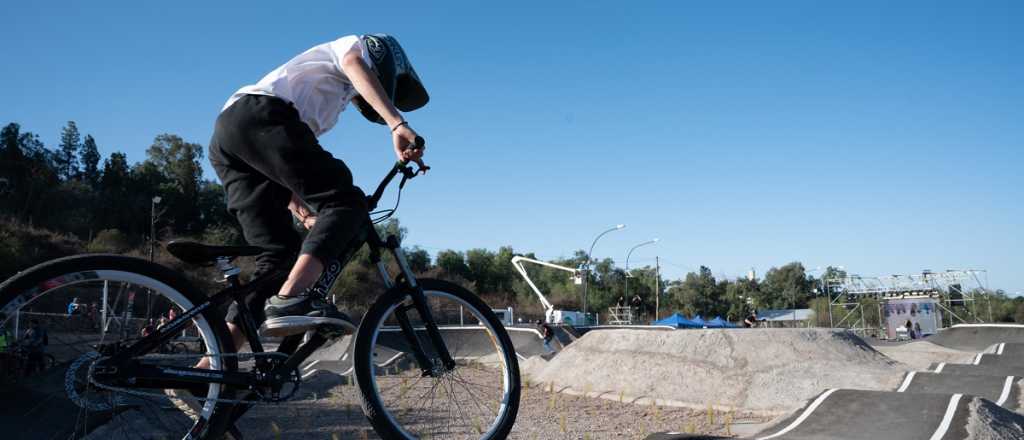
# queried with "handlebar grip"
point(420, 143)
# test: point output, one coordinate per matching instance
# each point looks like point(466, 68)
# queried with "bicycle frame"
point(121, 369)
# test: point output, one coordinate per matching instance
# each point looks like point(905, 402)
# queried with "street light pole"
point(628, 254)
point(586, 279)
point(152, 226)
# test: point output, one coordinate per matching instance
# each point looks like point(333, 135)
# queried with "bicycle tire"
point(37, 281)
point(365, 365)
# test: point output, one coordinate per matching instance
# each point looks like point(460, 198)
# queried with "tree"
point(90, 157)
point(116, 172)
point(700, 293)
point(177, 162)
point(66, 159)
point(10, 151)
point(785, 287)
point(418, 258)
point(480, 262)
point(452, 262)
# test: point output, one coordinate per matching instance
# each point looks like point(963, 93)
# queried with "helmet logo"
point(376, 48)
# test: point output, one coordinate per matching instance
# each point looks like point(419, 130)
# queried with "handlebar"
point(407, 174)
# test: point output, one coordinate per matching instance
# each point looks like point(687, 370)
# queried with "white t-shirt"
point(313, 82)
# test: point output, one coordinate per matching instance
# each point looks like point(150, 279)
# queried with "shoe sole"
point(293, 325)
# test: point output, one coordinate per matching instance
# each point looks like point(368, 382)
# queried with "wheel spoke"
point(469, 402)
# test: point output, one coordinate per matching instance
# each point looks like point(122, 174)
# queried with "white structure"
point(785, 317)
point(550, 314)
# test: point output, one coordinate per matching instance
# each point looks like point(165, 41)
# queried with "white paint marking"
point(948, 418)
point(1002, 345)
point(940, 367)
point(988, 325)
point(977, 359)
point(906, 382)
point(807, 412)
point(1007, 386)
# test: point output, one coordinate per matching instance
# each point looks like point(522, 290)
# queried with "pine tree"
point(90, 157)
point(66, 158)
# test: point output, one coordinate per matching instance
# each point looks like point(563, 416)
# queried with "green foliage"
point(66, 159)
point(90, 158)
point(785, 287)
point(109, 241)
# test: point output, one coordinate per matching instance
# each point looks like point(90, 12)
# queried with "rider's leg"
point(236, 335)
point(305, 272)
point(260, 144)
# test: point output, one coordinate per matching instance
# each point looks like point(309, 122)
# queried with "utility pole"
point(657, 288)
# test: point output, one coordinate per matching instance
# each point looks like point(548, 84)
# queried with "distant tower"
point(752, 275)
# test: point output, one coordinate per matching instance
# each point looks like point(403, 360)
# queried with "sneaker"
point(290, 315)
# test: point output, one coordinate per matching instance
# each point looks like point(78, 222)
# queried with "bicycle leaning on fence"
point(435, 391)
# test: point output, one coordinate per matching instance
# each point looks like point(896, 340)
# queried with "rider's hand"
point(404, 139)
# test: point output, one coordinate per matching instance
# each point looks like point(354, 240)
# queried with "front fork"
point(419, 303)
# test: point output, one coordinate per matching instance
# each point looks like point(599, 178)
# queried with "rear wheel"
point(129, 294)
point(478, 399)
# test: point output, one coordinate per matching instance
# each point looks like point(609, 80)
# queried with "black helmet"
point(396, 76)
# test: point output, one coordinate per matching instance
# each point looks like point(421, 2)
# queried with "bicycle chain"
point(133, 392)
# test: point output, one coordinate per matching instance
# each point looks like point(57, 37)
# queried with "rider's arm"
point(369, 88)
point(366, 84)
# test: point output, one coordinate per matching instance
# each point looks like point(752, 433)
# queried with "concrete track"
point(950, 401)
point(1001, 390)
point(978, 337)
point(463, 342)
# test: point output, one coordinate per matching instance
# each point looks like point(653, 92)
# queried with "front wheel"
point(478, 399)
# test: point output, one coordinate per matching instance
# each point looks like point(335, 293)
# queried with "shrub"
point(109, 241)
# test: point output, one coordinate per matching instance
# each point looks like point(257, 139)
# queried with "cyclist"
point(265, 151)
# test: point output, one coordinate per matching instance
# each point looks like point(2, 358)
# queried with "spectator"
point(148, 329)
point(910, 330)
point(621, 302)
point(917, 329)
point(5, 357)
point(36, 340)
point(92, 312)
point(547, 333)
point(750, 321)
point(171, 314)
point(73, 306)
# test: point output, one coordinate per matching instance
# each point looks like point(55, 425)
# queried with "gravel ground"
point(543, 414)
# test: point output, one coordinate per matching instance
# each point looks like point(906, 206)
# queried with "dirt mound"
point(988, 421)
point(768, 370)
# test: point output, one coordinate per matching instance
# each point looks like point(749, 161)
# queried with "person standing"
point(548, 334)
point(36, 340)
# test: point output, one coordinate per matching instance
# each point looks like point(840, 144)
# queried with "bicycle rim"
point(62, 397)
point(476, 400)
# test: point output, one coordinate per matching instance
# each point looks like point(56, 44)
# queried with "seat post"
point(229, 270)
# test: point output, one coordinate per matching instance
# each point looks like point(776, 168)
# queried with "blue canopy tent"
point(676, 320)
point(699, 321)
point(718, 322)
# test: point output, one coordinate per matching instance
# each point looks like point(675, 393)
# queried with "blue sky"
point(882, 136)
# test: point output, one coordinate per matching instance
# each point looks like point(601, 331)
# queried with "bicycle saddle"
point(203, 254)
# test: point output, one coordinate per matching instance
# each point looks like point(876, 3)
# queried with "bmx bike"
point(116, 384)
